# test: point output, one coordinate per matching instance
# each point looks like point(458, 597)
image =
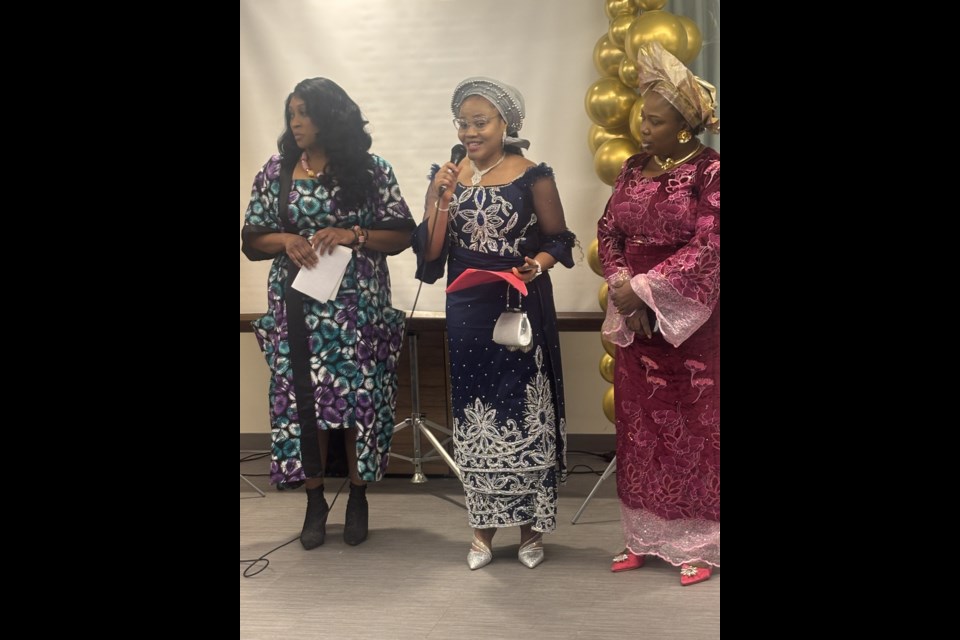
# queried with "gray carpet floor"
point(410, 580)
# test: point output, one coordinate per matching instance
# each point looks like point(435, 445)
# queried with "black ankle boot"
point(355, 526)
point(315, 523)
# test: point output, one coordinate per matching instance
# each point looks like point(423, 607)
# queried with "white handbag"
point(513, 328)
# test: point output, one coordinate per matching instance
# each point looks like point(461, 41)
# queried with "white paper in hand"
point(323, 281)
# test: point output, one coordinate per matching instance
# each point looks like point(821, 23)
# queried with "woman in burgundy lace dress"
point(660, 248)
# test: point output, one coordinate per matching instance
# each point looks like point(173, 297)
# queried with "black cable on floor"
point(266, 563)
point(592, 471)
point(606, 455)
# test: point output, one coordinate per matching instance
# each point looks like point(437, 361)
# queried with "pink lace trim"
point(615, 328)
point(679, 317)
point(679, 541)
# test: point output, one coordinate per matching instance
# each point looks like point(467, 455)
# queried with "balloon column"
point(613, 106)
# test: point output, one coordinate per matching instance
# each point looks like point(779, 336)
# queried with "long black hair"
point(341, 134)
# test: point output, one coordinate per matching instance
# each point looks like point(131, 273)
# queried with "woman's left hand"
point(529, 271)
point(327, 238)
point(639, 323)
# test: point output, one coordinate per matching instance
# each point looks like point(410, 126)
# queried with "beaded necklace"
point(478, 175)
point(305, 163)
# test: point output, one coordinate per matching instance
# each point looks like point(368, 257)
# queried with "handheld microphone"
point(457, 154)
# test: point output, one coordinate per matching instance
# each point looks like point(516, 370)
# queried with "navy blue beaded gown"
point(508, 410)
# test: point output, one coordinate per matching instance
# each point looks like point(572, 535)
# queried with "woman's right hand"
point(631, 307)
point(446, 180)
point(300, 251)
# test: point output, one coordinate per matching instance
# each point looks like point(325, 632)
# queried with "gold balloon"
point(694, 40)
point(608, 102)
point(609, 406)
point(661, 26)
point(619, 27)
point(597, 135)
point(610, 158)
point(606, 367)
point(602, 296)
point(636, 120)
point(593, 257)
point(608, 346)
point(607, 56)
point(628, 72)
point(651, 5)
point(613, 8)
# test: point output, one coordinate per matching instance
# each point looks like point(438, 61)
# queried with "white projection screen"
point(400, 60)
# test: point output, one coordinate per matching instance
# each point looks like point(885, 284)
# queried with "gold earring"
point(684, 137)
point(503, 140)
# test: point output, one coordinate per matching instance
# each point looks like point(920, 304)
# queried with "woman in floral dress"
point(333, 363)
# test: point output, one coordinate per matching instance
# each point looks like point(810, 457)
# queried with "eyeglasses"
point(478, 123)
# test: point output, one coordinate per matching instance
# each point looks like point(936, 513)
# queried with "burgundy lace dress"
point(664, 234)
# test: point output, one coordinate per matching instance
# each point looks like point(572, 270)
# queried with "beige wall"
point(581, 372)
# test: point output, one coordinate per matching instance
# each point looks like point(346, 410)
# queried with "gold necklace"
point(305, 163)
point(669, 163)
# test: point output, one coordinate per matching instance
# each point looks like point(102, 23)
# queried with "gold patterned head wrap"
point(660, 71)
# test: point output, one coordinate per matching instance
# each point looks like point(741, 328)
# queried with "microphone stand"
point(419, 423)
point(417, 420)
point(606, 474)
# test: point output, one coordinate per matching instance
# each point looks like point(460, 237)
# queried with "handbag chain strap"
point(519, 306)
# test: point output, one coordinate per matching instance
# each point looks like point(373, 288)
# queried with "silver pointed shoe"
point(531, 551)
point(479, 555)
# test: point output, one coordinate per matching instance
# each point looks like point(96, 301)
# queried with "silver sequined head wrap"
point(507, 100)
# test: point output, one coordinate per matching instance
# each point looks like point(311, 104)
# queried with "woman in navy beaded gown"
point(498, 211)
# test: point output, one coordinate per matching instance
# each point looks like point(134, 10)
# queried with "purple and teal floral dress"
point(338, 358)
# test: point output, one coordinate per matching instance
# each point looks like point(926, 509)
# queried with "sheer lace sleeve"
point(684, 288)
point(611, 238)
point(555, 238)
